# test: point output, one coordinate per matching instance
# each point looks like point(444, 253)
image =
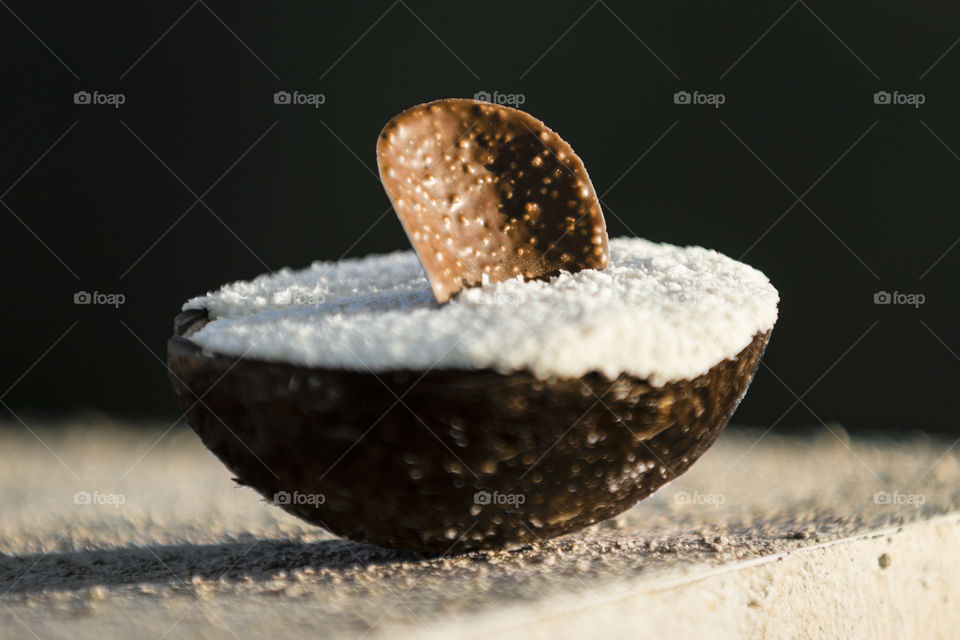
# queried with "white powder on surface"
point(657, 311)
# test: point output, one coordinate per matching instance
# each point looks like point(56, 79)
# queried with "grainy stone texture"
point(190, 554)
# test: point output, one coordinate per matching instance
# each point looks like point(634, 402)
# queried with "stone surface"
point(814, 535)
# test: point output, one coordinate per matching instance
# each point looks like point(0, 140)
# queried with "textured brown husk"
point(406, 473)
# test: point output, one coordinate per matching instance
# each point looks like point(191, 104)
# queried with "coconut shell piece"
point(470, 459)
point(487, 191)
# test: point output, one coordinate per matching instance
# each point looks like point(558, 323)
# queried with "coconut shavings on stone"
point(658, 311)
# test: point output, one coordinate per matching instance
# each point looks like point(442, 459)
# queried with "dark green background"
point(199, 98)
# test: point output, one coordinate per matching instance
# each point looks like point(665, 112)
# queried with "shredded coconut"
point(658, 311)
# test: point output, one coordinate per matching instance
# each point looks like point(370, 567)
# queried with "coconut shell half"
point(449, 460)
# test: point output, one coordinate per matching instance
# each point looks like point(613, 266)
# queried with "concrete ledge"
point(815, 536)
point(900, 582)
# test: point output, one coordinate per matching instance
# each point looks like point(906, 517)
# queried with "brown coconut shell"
point(441, 469)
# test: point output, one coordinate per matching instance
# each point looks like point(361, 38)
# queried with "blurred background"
point(145, 157)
